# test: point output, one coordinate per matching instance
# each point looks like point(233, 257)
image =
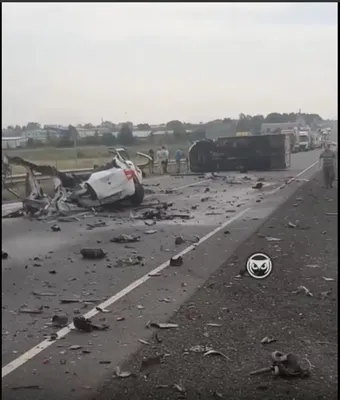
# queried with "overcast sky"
point(77, 63)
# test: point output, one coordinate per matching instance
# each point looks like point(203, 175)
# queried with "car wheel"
point(138, 197)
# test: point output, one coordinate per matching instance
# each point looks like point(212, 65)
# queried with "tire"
point(138, 197)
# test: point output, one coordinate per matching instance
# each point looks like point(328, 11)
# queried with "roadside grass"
point(82, 156)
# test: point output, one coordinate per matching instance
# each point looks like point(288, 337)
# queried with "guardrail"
point(20, 178)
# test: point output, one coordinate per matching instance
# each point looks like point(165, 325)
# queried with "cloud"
point(68, 62)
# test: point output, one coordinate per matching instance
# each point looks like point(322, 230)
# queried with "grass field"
point(67, 159)
point(82, 157)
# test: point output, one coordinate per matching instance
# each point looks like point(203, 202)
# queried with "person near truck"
point(151, 154)
point(328, 158)
point(163, 159)
point(178, 156)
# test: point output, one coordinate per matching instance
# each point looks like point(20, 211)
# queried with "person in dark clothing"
point(151, 153)
point(328, 167)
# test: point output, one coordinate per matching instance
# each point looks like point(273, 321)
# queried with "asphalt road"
point(132, 297)
point(233, 313)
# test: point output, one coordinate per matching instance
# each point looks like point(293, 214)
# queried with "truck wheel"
point(138, 197)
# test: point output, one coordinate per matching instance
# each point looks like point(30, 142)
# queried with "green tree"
point(144, 127)
point(108, 139)
point(31, 126)
point(125, 135)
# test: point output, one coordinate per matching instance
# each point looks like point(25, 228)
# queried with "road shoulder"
point(246, 310)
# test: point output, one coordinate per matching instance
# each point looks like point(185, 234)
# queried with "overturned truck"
point(244, 153)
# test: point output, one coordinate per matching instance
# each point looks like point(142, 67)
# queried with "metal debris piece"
point(41, 294)
point(85, 325)
point(284, 365)
point(143, 341)
point(26, 310)
point(176, 262)
point(328, 279)
point(259, 185)
point(122, 374)
point(99, 224)
point(268, 340)
point(123, 238)
point(332, 214)
point(151, 231)
point(37, 387)
point(93, 254)
point(179, 388)
point(213, 325)
point(103, 310)
point(313, 266)
point(291, 225)
point(273, 239)
point(301, 289)
point(59, 320)
point(161, 325)
point(55, 228)
point(200, 349)
point(75, 347)
point(215, 353)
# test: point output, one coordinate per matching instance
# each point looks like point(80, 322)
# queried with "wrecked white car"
point(118, 180)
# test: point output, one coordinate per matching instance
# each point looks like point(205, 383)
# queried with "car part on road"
point(93, 254)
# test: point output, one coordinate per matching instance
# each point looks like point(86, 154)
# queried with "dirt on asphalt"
point(246, 310)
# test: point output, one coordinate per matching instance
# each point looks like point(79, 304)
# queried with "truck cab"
point(304, 141)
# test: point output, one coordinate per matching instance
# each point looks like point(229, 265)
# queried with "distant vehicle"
point(305, 141)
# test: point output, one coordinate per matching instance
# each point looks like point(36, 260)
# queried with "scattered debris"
point(125, 239)
point(216, 353)
point(4, 255)
point(301, 289)
point(313, 266)
point(93, 254)
point(105, 362)
point(161, 325)
point(26, 310)
point(268, 340)
point(328, 279)
point(332, 214)
point(291, 225)
point(176, 262)
point(133, 260)
point(55, 228)
point(259, 185)
point(206, 190)
point(85, 325)
point(213, 325)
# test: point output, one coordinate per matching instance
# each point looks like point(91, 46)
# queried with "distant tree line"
point(181, 131)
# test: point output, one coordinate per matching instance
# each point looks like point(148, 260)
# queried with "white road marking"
point(13, 365)
point(22, 359)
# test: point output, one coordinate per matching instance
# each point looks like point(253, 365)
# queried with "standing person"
point(328, 158)
point(178, 156)
point(163, 158)
point(151, 153)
